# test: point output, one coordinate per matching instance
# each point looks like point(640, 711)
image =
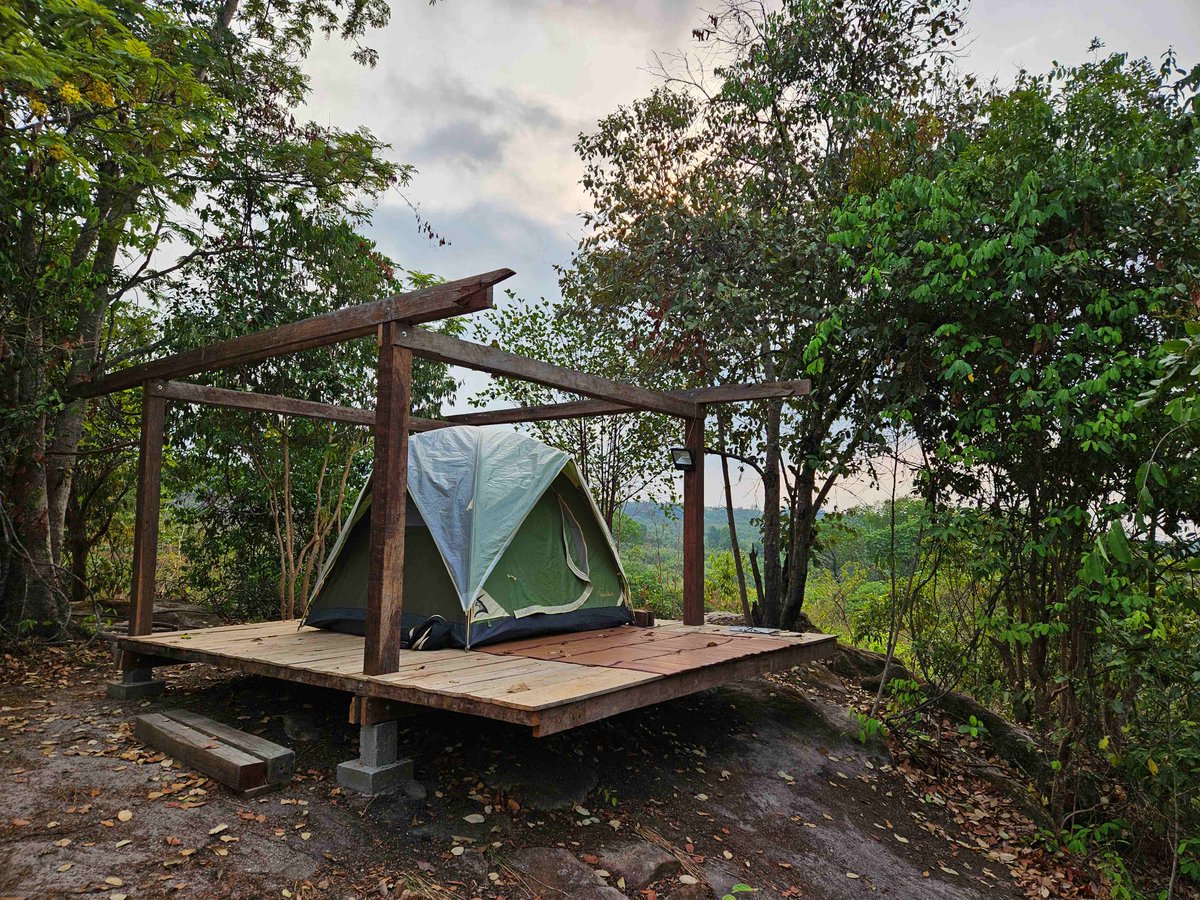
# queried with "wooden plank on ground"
point(232, 767)
point(280, 761)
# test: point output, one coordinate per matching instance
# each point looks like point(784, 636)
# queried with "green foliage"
point(973, 728)
point(868, 726)
point(144, 141)
point(707, 254)
point(1031, 291)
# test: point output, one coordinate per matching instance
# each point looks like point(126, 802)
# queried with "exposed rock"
point(721, 878)
point(719, 617)
point(414, 790)
point(640, 863)
point(855, 664)
point(819, 674)
point(302, 726)
point(690, 892)
point(810, 714)
point(1010, 741)
point(169, 615)
point(553, 873)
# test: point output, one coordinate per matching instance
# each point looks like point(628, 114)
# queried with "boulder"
point(640, 863)
point(691, 892)
point(1009, 741)
point(556, 872)
point(718, 617)
point(855, 664)
point(818, 674)
point(169, 615)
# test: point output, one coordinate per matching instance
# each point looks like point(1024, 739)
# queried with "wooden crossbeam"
point(441, 301)
point(727, 393)
point(447, 349)
point(288, 406)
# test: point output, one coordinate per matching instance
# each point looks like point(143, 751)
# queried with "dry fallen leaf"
point(125, 815)
point(218, 829)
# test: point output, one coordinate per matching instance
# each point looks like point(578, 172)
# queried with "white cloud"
point(487, 98)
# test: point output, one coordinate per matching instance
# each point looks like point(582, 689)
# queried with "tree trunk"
point(68, 425)
point(770, 601)
point(758, 584)
point(803, 535)
point(734, 544)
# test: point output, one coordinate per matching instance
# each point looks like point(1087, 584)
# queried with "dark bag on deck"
point(432, 634)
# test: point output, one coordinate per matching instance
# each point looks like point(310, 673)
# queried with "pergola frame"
point(393, 320)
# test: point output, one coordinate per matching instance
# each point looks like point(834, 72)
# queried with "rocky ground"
point(763, 784)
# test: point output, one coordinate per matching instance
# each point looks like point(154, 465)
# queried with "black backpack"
point(432, 634)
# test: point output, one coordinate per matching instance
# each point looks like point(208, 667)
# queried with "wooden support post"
point(145, 537)
point(693, 524)
point(389, 496)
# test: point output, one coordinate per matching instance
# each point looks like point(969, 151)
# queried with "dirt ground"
point(758, 784)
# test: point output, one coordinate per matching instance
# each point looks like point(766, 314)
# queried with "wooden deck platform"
point(549, 683)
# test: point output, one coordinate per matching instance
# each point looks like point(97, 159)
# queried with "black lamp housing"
point(683, 459)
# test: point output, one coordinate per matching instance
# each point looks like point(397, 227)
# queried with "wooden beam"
point(728, 393)
point(145, 523)
point(693, 525)
point(366, 710)
point(389, 497)
point(441, 301)
point(214, 396)
point(443, 348)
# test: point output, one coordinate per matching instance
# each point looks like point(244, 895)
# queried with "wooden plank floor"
point(549, 683)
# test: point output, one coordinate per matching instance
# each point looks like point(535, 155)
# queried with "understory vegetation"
point(994, 291)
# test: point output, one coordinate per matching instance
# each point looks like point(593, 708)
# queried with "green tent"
point(502, 540)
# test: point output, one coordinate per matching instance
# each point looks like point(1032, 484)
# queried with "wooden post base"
point(135, 684)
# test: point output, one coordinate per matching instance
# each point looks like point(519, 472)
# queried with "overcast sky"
point(487, 97)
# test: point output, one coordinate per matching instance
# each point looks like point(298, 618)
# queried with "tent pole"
point(389, 496)
point(693, 524)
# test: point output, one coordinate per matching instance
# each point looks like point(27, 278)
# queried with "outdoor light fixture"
point(683, 458)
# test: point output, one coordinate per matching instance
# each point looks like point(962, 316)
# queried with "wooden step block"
point(247, 763)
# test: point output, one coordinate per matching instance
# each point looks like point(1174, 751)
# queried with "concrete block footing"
point(377, 770)
point(136, 684)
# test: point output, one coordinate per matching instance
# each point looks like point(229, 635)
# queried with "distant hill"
point(665, 525)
